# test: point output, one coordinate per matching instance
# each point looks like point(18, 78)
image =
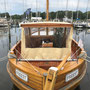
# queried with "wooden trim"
point(38, 32)
point(47, 25)
point(47, 31)
point(29, 31)
point(12, 49)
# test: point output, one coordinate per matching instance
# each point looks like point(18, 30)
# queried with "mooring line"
point(87, 60)
point(3, 58)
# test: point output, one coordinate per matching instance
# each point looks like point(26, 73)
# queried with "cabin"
point(49, 40)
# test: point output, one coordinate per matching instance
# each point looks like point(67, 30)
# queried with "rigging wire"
point(87, 9)
point(77, 8)
point(26, 9)
point(57, 10)
point(23, 8)
point(66, 14)
point(72, 14)
point(5, 8)
point(36, 9)
point(31, 11)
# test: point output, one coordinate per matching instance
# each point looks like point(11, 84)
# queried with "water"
point(5, 81)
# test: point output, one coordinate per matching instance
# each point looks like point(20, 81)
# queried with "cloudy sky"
point(19, 6)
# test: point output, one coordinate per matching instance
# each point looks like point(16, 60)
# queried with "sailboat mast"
point(5, 8)
point(77, 9)
point(67, 8)
point(36, 9)
point(87, 9)
point(47, 10)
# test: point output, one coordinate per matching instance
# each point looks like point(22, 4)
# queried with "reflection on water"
point(14, 87)
point(6, 83)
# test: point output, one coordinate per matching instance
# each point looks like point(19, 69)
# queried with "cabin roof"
point(46, 24)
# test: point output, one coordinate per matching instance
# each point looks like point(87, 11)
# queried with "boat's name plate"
point(22, 75)
point(72, 75)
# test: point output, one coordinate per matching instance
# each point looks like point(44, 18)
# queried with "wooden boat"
point(47, 57)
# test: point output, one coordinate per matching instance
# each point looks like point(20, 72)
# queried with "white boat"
point(3, 22)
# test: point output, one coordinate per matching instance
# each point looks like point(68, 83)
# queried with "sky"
point(19, 6)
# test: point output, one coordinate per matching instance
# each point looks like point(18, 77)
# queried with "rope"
point(3, 58)
point(88, 57)
point(82, 56)
point(75, 53)
point(29, 63)
point(87, 60)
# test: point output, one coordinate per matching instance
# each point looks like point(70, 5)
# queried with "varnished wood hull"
point(37, 81)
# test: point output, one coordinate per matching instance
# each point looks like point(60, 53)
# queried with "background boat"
point(3, 22)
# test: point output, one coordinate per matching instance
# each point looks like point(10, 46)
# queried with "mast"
point(77, 9)
point(87, 9)
point(36, 9)
point(47, 10)
point(23, 8)
point(5, 8)
point(66, 9)
point(57, 10)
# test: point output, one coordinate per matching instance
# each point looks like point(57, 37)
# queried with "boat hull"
point(36, 80)
point(39, 85)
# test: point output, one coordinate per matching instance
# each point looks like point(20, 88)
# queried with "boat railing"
point(75, 48)
point(17, 49)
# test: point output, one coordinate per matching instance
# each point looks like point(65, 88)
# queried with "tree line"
point(52, 15)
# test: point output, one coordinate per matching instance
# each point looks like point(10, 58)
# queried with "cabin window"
point(27, 31)
point(51, 31)
point(56, 36)
point(42, 31)
point(34, 31)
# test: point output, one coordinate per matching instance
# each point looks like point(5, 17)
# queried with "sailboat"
point(47, 57)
